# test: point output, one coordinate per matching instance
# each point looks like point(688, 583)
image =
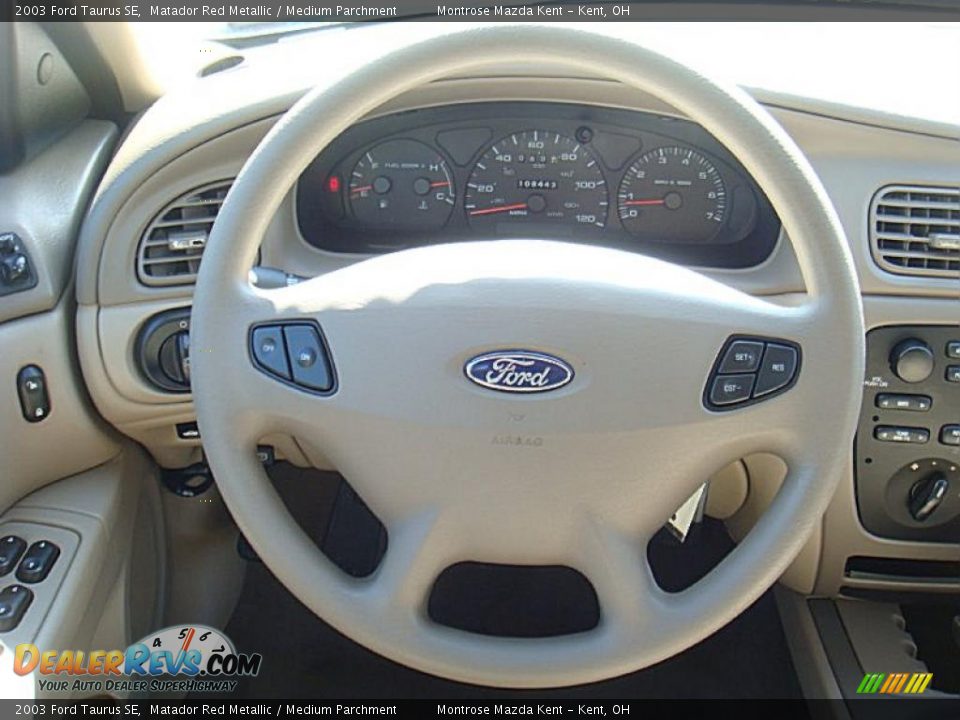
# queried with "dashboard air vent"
point(915, 230)
point(172, 245)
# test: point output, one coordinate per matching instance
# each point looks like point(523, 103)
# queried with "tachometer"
point(401, 183)
point(537, 175)
point(672, 194)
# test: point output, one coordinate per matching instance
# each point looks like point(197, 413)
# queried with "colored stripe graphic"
point(927, 677)
point(894, 683)
point(871, 683)
point(891, 681)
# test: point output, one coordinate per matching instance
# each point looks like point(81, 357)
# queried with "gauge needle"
point(500, 209)
point(361, 189)
point(439, 184)
point(660, 201)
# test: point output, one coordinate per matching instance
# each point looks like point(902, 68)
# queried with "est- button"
point(729, 389)
point(308, 360)
point(269, 351)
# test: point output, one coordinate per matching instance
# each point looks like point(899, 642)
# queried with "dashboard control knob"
point(926, 496)
point(912, 360)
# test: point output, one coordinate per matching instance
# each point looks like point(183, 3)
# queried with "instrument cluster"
point(636, 181)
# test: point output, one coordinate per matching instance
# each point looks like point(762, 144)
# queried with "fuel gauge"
point(401, 184)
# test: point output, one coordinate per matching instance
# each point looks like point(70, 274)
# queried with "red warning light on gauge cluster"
point(333, 184)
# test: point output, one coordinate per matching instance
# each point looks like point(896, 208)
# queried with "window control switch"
point(14, 601)
point(37, 562)
point(11, 548)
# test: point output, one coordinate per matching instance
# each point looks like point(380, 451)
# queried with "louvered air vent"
point(916, 230)
point(171, 247)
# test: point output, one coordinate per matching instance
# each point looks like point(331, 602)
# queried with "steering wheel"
point(605, 457)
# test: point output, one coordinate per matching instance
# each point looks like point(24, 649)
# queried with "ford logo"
point(518, 371)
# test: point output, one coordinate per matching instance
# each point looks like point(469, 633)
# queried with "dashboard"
point(635, 181)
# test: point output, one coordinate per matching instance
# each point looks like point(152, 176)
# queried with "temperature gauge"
point(401, 184)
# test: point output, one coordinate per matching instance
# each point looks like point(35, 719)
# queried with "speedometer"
point(672, 194)
point(537, 175)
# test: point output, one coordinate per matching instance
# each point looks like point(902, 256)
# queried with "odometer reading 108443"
point(537, 174)
point(672, 194)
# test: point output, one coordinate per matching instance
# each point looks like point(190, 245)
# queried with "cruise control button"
point(742, 356)
point(38, 562)
point(730, 389)
point(14, 601)
point(777, 369)
point(953, 373)
point(307, 357)
point(269, 352)
point(913, 403)
point(949, 435)
point(953, 349)
point(11, 548)
point(888, 433)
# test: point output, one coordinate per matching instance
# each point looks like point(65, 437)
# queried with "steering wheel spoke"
point(631, 603)
point(419, 549)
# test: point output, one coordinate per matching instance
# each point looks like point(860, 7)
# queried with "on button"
point(309, 366)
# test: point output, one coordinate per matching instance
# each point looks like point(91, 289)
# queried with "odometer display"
point(672, 194)
point(537, 175)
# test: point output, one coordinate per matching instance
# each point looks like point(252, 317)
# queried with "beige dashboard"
point(854, 159)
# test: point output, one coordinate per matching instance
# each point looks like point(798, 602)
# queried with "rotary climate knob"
point(912, 360)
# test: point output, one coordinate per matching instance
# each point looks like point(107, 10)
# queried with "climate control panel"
point(908, 441)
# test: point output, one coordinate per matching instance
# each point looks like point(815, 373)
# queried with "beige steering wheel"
point(621, 445)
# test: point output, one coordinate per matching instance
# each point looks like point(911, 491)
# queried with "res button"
point(777, 370)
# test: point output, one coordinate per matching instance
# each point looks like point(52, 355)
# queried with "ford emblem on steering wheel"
point(518, 371)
